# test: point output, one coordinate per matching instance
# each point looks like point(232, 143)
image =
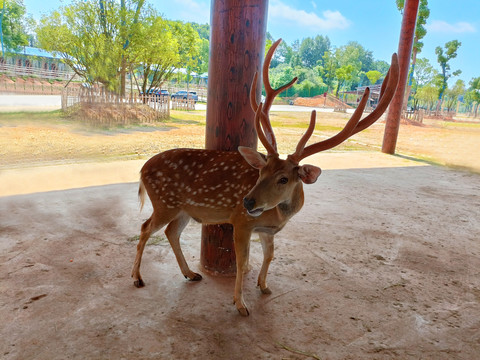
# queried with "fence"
point(30, 86)
point(183, 104)
point(100, 107)
point(416, 115)
point(17, 70)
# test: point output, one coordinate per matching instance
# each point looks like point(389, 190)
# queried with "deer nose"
point(248, 203)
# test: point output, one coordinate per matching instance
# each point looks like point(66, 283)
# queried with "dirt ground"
point(33, 141)
point(381, 263)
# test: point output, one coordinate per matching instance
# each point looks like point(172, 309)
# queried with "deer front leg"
point(267, 246)
point(241, 240)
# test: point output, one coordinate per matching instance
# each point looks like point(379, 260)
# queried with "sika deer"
point(251, 191)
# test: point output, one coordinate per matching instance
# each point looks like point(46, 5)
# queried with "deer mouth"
point(256, 212)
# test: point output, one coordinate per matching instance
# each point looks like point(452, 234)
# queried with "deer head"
point(279, 178)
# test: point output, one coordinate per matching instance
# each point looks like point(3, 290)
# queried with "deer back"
point(207, 184)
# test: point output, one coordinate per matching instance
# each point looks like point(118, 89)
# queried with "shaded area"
point(380, 264)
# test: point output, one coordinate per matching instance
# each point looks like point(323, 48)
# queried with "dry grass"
point(45, 138)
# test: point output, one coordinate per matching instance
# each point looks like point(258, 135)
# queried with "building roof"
point(34, 51)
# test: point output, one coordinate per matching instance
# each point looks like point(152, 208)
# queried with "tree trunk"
point(404, 51)
point(122, 77)
point(410, 80)
point(237, 48)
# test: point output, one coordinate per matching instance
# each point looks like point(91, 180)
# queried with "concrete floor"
point(381, 263)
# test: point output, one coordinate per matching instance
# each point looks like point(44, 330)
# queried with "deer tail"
point(141, 194)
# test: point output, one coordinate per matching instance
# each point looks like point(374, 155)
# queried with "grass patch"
point(461, 125)
point(197, 117)
point(53, 117)
point(154, 240)
point(333, 122)
point(299, 125)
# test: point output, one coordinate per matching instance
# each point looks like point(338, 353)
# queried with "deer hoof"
point(241, 307)
point(243, 311)
point(139, 283)
point(266, 291)
point(196, 277)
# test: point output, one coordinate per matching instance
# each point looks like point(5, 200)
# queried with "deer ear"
point(253, 157)
point(309, 173)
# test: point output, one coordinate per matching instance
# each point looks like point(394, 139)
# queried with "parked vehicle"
point(157, 93)
point(162, 93)
point(182, 94)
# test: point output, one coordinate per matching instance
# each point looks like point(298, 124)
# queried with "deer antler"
point(269, 136)
point(261, 135)
point(354, 125)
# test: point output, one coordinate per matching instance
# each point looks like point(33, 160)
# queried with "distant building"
point(32, 61)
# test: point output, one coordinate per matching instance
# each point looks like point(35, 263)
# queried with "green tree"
point(173, 45)
point(373, 76)
point(93, 38)
point(201, 60)
point(349, 65)
point(203, 30)
point(12, 25)
point(126, 31)
point(381, 65)
point(427, 96)
point(329, 68)
point(201, 65)
point(443, 57)
point(424, 72)
point(344, 74)
point(285, 53)
point(364, 58)
point(361, 59)
point(281, 75)
point(312, 50)
point(473, 93)
point(295, 59)
point(452, 95)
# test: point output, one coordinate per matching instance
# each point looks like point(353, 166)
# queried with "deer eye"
point(283, 180)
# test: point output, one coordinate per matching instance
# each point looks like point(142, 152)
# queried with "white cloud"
point(328, 21)
point(313, 4)
point(441, 26)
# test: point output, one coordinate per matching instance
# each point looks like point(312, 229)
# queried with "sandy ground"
point(381, 263)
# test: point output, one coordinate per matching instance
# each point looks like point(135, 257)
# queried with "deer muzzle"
point(249, 205)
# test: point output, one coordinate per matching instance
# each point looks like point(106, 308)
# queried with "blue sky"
point(375, 24)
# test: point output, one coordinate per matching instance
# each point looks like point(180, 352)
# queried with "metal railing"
point(17, 70)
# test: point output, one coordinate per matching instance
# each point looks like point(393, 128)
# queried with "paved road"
point(29, 102)
point(53, 102)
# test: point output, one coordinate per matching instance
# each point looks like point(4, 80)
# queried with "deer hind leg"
point(267, 246)
point(241, 242)
point(173, 231)
point(149, 227)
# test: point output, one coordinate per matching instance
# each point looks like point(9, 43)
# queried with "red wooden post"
point(237, 47)
point(404, 52)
